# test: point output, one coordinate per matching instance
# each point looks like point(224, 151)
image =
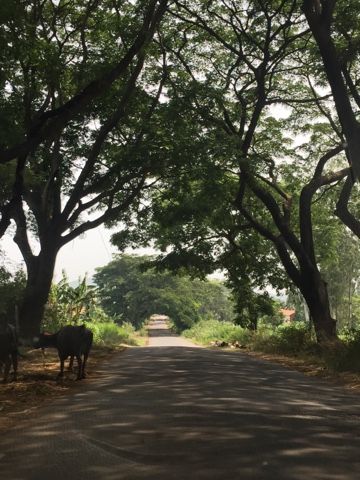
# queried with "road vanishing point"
point(172, 410)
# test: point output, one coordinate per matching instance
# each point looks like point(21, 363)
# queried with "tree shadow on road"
point(184, 413)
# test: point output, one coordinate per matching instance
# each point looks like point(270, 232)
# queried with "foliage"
point(75, 305)
point(11, 291)
point(292, 340)
point(345, 355)
point(79, 84)
point(244, 199)
point(127, 290)
point(69, 304)
point(341, 270)
point(111, 334)
point(207, 331)
point(272, 318)
point(296, 301)
point(285, 339)
point(218, 138)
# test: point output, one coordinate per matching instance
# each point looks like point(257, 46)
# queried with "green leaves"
point(126, 289)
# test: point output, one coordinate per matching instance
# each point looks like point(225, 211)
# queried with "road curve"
point(178, 412)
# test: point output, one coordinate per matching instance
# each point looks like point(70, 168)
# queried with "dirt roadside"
point(37, 385)
point(347, 380)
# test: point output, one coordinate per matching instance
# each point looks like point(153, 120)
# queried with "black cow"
point(70, 342)
point(9, 351)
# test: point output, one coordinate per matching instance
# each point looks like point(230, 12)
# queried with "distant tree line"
point(132, 291)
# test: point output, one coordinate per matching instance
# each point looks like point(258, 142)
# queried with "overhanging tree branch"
point(49, 123)
point(110, 214)
point(342, 207)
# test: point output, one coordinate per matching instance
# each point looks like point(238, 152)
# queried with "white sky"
point(77, 258)
point(81, 256)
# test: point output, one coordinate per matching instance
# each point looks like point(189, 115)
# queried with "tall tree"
point(84, 160)
point(250, 61)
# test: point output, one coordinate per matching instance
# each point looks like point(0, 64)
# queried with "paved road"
point(161, 336)
point(186, 413)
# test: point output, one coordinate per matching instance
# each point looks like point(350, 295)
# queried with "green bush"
point(293, 338)
point(12, 287)
point(207, 331)
point(290, 339)
point(111, 334)
point(344, 355)
point(286, 339)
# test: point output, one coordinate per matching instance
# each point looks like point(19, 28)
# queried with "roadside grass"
point(294, 341)
point(110, 334)
point(206, 331)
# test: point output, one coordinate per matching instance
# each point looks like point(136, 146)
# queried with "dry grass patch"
point(37, 383)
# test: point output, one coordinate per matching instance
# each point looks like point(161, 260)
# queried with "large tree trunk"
point(314, 290)
point(39, 277)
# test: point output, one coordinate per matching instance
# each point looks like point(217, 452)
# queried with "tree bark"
point(320, 20)
point(39, 277)
point(304, 272)
point(314, 290)
point(342, 207)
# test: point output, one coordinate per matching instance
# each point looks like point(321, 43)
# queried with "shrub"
point(11, 292)
point(206, 331)
point(111, 334)
point(345, 354)
point(288, 339)
point(294, 339)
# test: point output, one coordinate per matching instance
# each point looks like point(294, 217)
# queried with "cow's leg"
point(86, 354)
point(71, 363)
point(79, 361)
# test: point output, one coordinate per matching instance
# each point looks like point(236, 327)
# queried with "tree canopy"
point(82, 88)
point(225, 132)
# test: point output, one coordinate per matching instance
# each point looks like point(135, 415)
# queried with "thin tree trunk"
point(349, 302)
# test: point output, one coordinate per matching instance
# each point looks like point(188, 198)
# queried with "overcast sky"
point(80, 256)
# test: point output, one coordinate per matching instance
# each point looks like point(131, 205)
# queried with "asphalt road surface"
point(172, 411)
